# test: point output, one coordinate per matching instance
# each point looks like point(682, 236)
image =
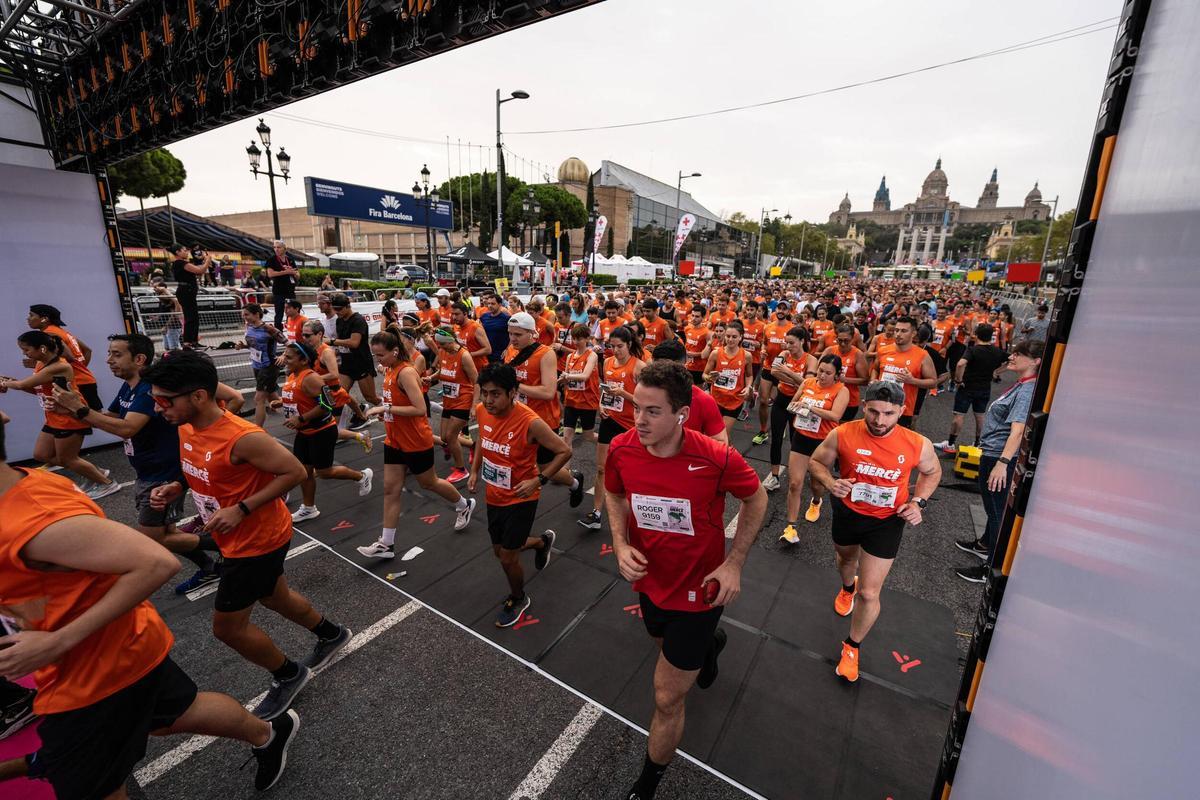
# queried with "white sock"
point(461, 505)
point(388, 536)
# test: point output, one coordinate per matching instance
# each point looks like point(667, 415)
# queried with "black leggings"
point(186, 295)
point(781, 418)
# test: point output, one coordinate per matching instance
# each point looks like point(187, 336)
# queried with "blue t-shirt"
point(496, 328)
point(262, 346)
point(154, 450)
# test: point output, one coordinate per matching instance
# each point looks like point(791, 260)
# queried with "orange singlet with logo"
point(894, 363)
point(111, 659)
point(813, 395)
point(775, 334)
point(216, 482)
point(730, 378)
point(884, 345)
point(508, 457)
point(615, 407)
point(295, 326)
point(410, 434)
point(582, 394)
point(73, 353)
point(819, 328)
point(54, 419)
point(695, 339)
point(754, 332)
point(529, 373)
point(879, 466)
point(297, 402)
point(340, 396)
point(458, 391)
point(657, 332)
point(793, 363)
point(468, 339)
point(850, 370)
point(942, 333)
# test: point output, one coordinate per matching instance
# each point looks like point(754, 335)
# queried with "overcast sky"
point(1029, 113)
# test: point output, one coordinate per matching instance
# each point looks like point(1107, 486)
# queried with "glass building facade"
point(653, 235)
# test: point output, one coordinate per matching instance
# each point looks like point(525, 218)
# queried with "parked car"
point(408, 272)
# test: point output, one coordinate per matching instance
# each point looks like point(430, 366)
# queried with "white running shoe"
point(377, 549)
point(364, 483)
point(103, 489)
point(771, 482)
point(464, 517)
point(305, 512)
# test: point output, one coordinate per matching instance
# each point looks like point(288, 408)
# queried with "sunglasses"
point(165, 400)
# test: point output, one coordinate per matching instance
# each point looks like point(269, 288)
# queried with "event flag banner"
point(601, 225)
point(328, 198)
point(681, 233)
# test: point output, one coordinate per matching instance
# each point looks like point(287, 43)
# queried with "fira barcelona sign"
point(328, 198)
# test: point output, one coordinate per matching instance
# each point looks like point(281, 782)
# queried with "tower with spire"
point(883, 198)
point(991, 192)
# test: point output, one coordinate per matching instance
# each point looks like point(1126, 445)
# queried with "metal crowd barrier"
point(216, 327)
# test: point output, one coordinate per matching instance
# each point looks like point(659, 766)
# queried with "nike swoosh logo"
point(693, 469)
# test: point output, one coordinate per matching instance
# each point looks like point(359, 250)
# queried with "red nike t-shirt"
point(676, 511)
point(705, 415)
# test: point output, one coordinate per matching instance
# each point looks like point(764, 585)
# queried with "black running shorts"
point(316, 449)
point(731, 412)
point(803, 445)
point(456, 413)
point(585, 417)
point(609, 430)
point(89, 752)
point(66, 433)
point(418, 463)
point(686, 635)
point(245, 581)
point(877, 537)
point(510, 526)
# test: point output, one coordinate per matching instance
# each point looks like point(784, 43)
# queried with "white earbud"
point(681, 419)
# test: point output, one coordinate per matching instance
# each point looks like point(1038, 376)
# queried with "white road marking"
point(209, 588)
point(173, 758)
point(731, 528)
point(546, 770)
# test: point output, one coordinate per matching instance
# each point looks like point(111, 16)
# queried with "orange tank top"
point(879, 466)
point(796, 365)
point(617, 376)
point(752, 339)
point(582, 394)
point(776, 340)
point(217, 483)
point(410, 434)
point(457, 389)
point(295, 327)
point(894, 363)
point(340, 396)
point(55, 419)
point(466, 334)
point(850, 370)
point(529, 373)
point(729, 378)
point(820, 327)
point(508, 457)
point(298, 402)
point(813, 395)
point(695, 339)
point(74, 354)
point(112, 658)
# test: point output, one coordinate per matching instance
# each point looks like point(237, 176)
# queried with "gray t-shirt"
point(1008, 408)
point(1035, 329)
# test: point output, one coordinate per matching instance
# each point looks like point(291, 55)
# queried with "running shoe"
point(325, 650)
point(457, 475)
point(591, 521)
point(541, 556)
point(272, 756)
point(359, 424)
point(843, 604)
point(814, 511)
point(760, 438)
point(771, 482)
point(364, 483)
point(201, 577)
point(848, 664)
point(577, 492)
point(708, 672)
point(17, 714)
point(512, 611)
point(305, 512)
point(977, 574)
point(946, 447)
point(790, 534)
point(377, 549)
point(192, 524)
point(281, 695)
point(99, 490)
point(744, 414)
point(972, 546)
point(366, 441)
point(464, 517)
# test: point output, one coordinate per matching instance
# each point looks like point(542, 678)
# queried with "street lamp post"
point(826, 253)
point(762, 216)
point(429, 197)
point(285, 166)
point(678, 191)
point(517, 95)
point(1049, 230)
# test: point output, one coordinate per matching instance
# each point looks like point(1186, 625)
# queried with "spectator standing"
point(284, 277)
point(186, 275)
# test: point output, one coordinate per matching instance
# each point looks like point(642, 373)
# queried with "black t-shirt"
point(282, 285)
point(982, 360)
point(361, 355)
point(181, 275)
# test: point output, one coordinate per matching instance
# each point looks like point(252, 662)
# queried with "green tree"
point(139, 176)
point(172, 177)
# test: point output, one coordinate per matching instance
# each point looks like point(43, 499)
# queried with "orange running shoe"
point(814, 511)
point(843, 604)
point(848, 665)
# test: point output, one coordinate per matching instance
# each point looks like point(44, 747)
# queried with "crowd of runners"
point(654, 378)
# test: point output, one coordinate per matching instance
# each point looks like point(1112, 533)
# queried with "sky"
point(1028, 113)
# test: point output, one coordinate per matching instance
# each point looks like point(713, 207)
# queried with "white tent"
point(617, 259)
point(508, 258)
point(638, 260)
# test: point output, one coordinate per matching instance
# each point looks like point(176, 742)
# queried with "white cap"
point(443, 292)
point(522, 320)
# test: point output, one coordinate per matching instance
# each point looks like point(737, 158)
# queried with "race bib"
point(611, 402)
point(496, 475)
point(576, 386)
point(807, 422)
point(726, 379)
point(47, 402)
point(341, 348)
point(778, 362)
point(890, 377)
point(665, 514)
point(206, 505)
point(128, 445)
point(290, 410)
point(750, 344)
point(450, 390)
point(872, 495)
point(521, 398)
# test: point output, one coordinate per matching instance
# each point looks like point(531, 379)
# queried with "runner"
point(152, 446)
point(511, 434)
point(353, 346)
point(728, 373)
point(820, 326)
point(774, 341)
point(457, 375)
point(854, 367)
point(326, 366)
point(882, 342)
point(48, 319)
point(537, 371)
point(581, 386)
point(666, 505)
point(753, 336)
point(62, 435)
point(621, 371)
point(238, 475)
point(875, 457)
point(105, 677)
point(307, 402)
point(260, 341)
point(695, 337)
point(907, 365)
point(293, 319)
point(408, 448)
point(471, 335)
point(493, 318)
point(790, 369)
point(657, 329)
point(817, 408)
point(445, 306)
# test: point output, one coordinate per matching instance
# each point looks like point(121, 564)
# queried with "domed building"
point(924, 224)
point(573, 170)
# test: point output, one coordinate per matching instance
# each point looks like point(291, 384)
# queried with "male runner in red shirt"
point(666, 503)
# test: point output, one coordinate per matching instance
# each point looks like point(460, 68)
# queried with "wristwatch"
point(921, 502)
point(1004, 461)
point(82, 413)
point(543, 480)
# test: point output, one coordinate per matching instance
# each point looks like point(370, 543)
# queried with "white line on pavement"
point(731, 528)
point(209, 588)
point(545, 770)
point(173, 758)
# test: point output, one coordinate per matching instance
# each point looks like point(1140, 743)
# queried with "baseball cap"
point(887, 391)
point(443, 292)
point(420, 296)
point(339, 300)
point(522, 320)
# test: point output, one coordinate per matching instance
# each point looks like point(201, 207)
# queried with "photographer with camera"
point(186, 272)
